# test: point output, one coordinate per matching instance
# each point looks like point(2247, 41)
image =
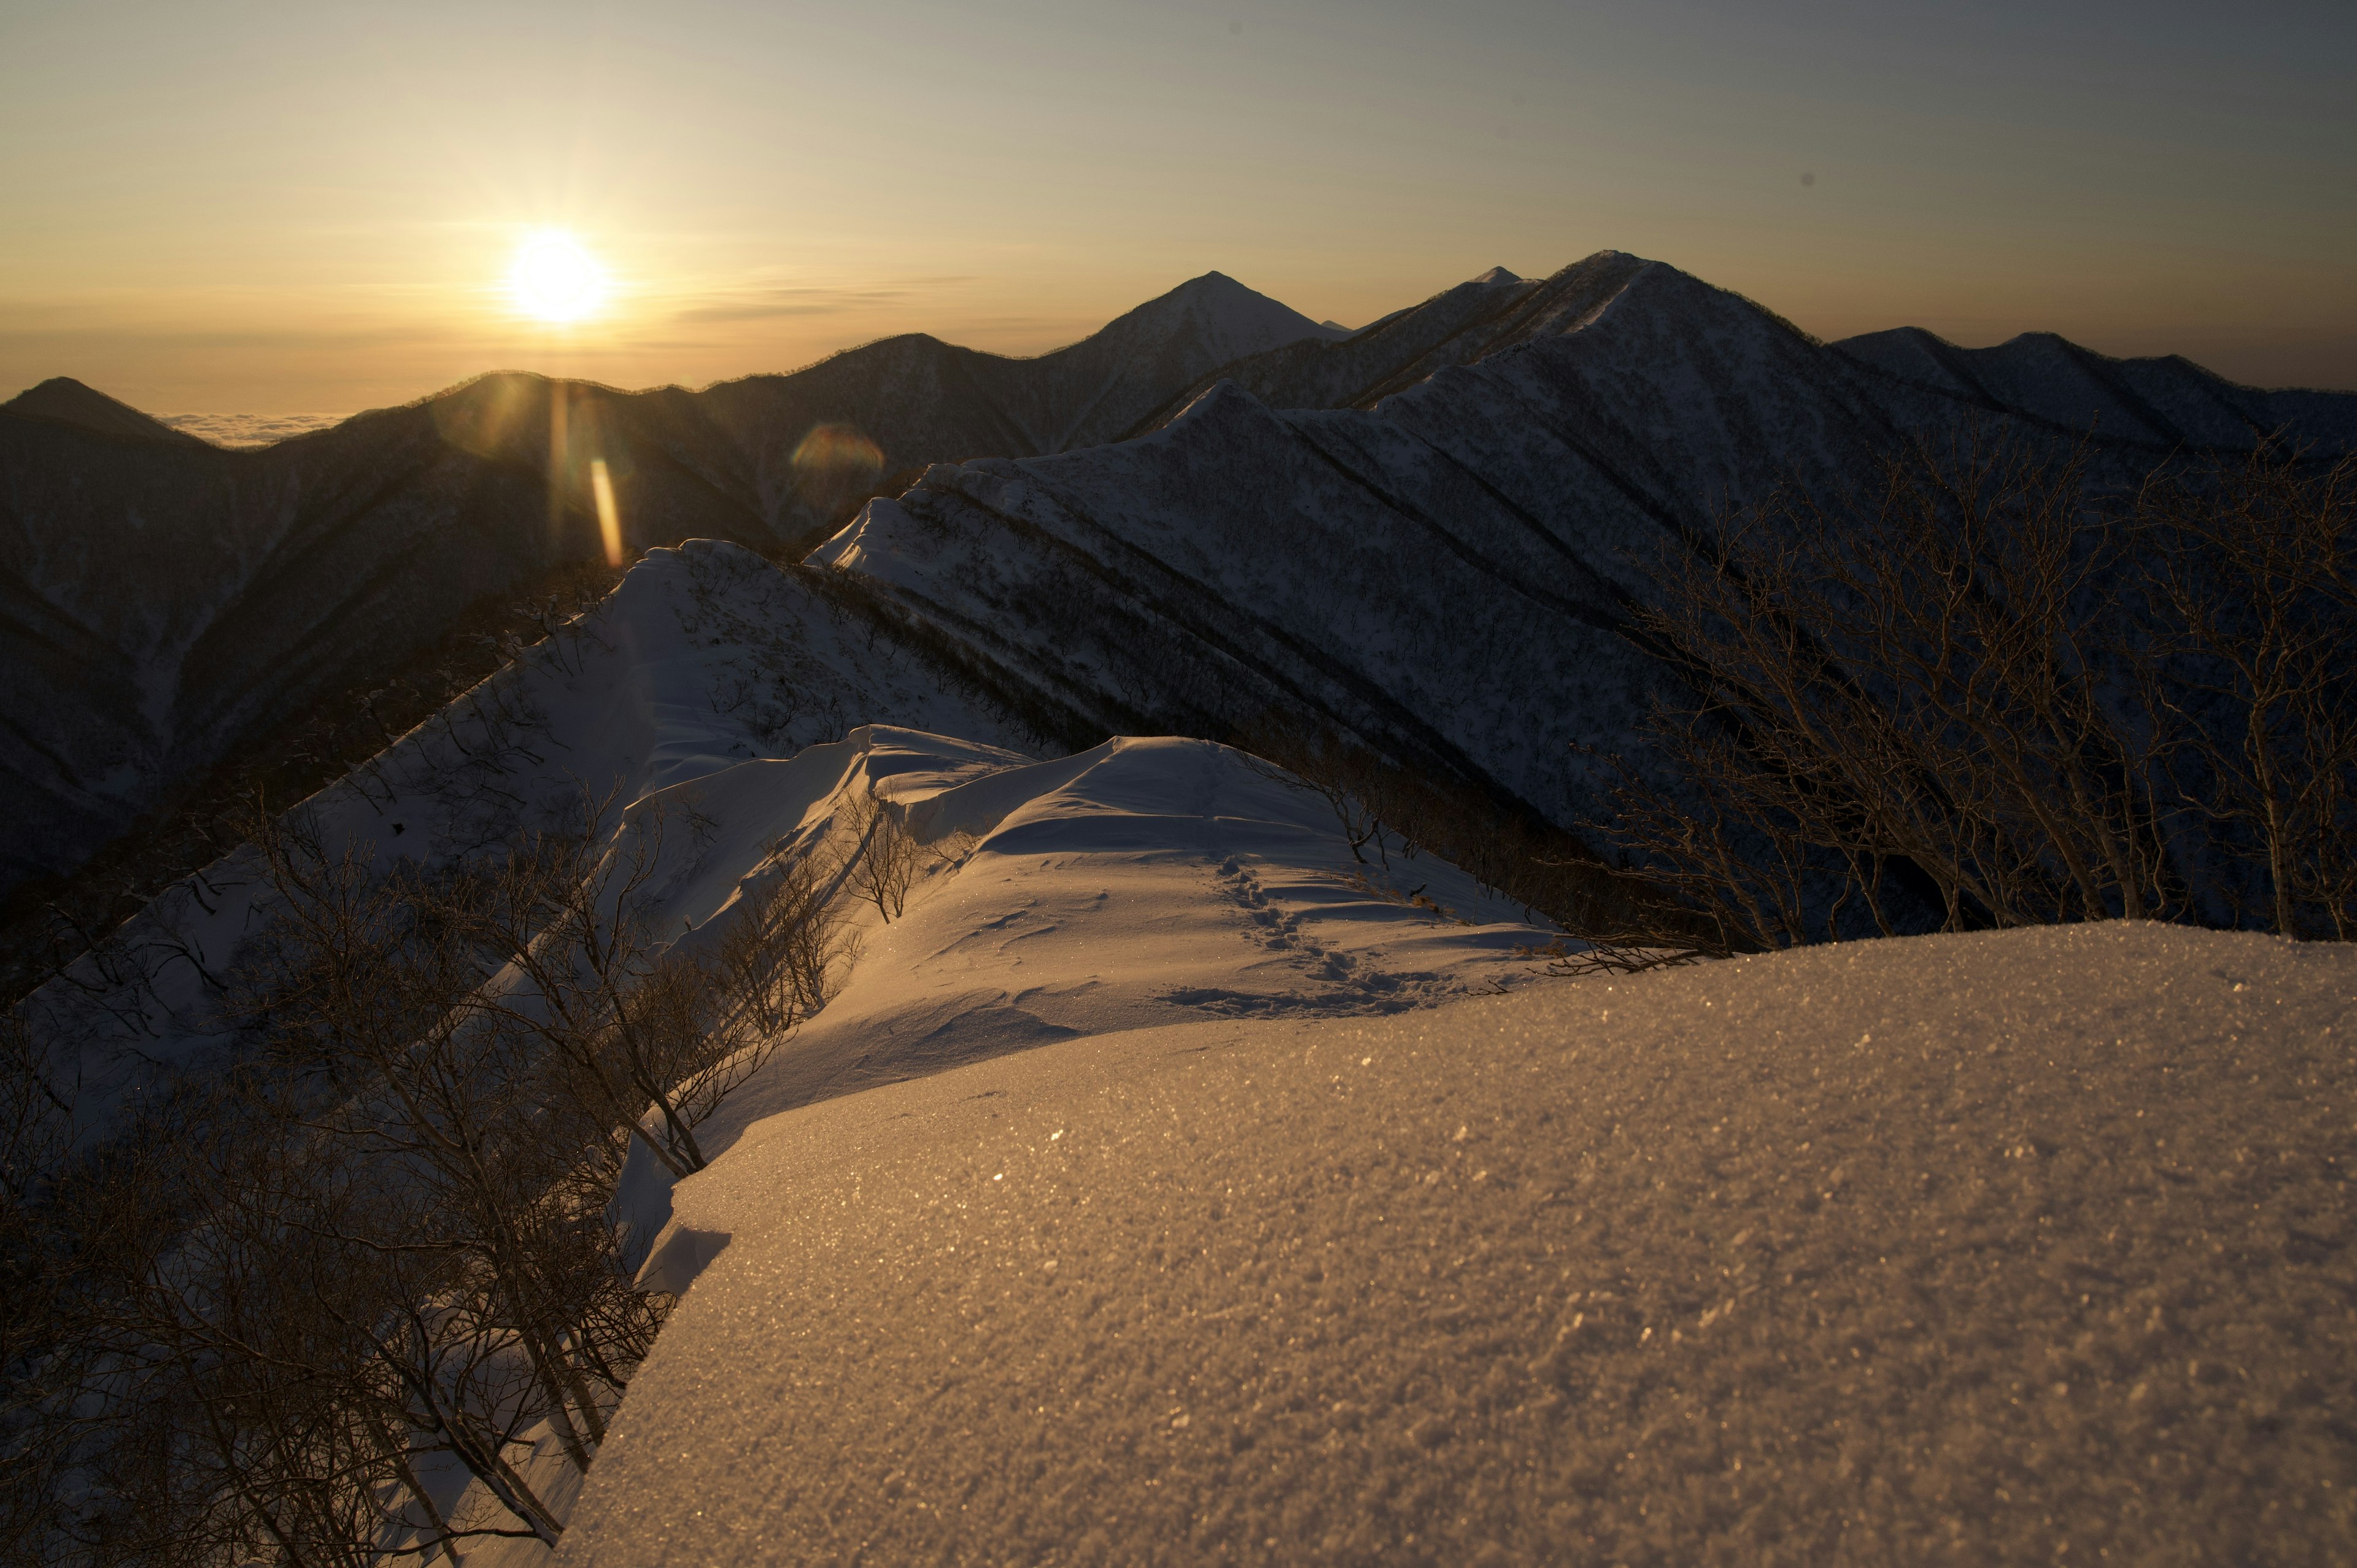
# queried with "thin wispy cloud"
point(762, 304)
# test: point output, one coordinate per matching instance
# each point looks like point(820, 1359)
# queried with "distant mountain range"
point(1424, 533)
point(163, 602)
point(1212, 506)
point(937, 576)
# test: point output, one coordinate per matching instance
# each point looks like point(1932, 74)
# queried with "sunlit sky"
point(275, 207)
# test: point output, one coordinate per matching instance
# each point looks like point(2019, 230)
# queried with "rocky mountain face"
point(164, 603)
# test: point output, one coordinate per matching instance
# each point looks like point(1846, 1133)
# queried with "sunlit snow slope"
point(1136, 884)
point(1141, 882)
point(1981, 1249)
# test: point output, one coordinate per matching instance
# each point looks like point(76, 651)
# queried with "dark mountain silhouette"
point(1416, 529)
point(68, 402)
point(2166, 401)
point(163, 601)
point(1423, 535)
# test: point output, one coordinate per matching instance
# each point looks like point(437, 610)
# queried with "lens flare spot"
point(837, 452)
point(556, 279)
point(609, 517)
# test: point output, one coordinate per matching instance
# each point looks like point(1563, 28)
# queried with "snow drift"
point(1989, 1246)
point(1138, 882)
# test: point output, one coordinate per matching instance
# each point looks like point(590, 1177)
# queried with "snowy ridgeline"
point(1980, 1248)
point(709, 702)
point(1134, 885)
point(706, 657)
point(1166, 1183)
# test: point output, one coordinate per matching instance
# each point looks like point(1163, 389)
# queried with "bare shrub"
point(1392, 809)
point(487, 1173)
point(267, 1396)
point(2249, 575)
point(1973, 696)
point(882, 857)
point(780, 955)
point(1350, 779)
point(383, 1245)
point(650, 1035)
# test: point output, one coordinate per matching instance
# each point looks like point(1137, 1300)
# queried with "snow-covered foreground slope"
point(1980, 1248)
point(1134, 885)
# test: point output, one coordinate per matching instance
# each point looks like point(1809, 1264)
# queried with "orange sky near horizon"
point(269, 208)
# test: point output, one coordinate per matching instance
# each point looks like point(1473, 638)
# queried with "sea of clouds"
point(240, 431)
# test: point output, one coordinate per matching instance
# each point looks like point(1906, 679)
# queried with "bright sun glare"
point(554, 279)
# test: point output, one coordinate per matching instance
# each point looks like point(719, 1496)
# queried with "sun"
point(556, 279)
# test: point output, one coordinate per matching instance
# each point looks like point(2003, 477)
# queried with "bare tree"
point(391, 1240)
point(1901, 697)
point(1976, 693)
point(372, 989)
point(2250, 576)
point(781, 952)
point(650, 1036)
point(882, 858)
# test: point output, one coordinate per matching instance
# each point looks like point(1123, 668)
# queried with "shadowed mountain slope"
point(2167, 402)
point(1148, 969)
point(1418, 530)
point(163, 602)
point(66, 401)
point(1440, 569)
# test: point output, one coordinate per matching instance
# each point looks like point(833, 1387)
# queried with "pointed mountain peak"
point(1228, 319)
point(1498, 274)
point(1212, 284)
point(69, 402)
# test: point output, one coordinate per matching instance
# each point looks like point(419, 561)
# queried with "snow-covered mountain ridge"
point(711, 682)
point(1438, 570)
point(1425, 534)
point(1162, 1185)
point(164, 603)
point(704, 657)
point(170, 606)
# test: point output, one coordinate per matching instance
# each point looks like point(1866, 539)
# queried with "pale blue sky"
point(273, 206)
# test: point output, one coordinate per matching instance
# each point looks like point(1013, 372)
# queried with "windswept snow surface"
point(1984, 1248)
point(1134, 885)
